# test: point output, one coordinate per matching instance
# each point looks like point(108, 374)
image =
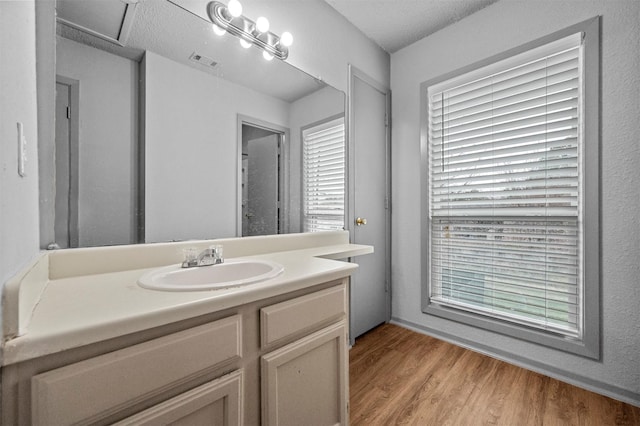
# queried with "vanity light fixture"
point(229, 19)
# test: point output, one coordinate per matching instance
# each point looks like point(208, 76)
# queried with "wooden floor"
point(398, 376)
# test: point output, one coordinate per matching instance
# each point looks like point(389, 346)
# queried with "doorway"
point(262, 179)
point(368, 217)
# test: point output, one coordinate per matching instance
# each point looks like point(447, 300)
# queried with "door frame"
point(355, 73)
point(284, 169)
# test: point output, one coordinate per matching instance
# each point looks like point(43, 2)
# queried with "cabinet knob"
point(361, 221)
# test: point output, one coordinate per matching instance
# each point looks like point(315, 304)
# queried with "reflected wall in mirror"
point(153, 142)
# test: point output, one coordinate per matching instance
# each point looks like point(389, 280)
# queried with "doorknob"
point(361, 221)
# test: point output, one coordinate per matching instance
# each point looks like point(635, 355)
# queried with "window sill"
point(540, 337)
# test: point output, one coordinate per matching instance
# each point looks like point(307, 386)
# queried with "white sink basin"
point(231, 273)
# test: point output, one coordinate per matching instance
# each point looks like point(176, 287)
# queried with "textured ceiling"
point(177, 29)
point(394, 24)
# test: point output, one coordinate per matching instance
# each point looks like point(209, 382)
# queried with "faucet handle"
point(217, 252)
point(190, 257)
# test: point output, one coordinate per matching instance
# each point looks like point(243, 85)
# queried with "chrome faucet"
point(207, 257)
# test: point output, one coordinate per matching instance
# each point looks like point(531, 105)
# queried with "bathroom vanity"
point(90, 345)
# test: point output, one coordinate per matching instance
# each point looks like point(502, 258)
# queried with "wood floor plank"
point(400, 377)
point(487, 402)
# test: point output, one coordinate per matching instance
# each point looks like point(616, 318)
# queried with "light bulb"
point(219, 31)
point(266, 55)
point(286, 39)
point(244, 43)
point(262, 24)
point(235, 8)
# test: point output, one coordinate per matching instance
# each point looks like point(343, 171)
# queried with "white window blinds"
point(324, 177)
point(505, 189)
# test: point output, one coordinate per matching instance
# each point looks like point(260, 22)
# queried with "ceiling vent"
point(202, 60)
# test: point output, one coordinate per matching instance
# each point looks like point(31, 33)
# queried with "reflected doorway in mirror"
point(262, 180)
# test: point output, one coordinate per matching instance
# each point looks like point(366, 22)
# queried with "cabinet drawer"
point(302, 314)
point(98, 387)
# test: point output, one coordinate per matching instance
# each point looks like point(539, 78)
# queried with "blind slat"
point(543, 110)
point(507, 135)
point(496, 92)
point(488, 105)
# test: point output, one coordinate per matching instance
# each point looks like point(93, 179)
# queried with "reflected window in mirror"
point(323, 163)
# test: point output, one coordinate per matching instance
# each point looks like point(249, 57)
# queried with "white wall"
point(18, 195)
point(318, 106)
point(108, 141)
point(191, 149)
point(502, 26)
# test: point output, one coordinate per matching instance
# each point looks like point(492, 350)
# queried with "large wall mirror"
point(163, 129)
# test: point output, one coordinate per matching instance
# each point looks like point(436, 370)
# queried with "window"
point(507, 179)
point(323, 162)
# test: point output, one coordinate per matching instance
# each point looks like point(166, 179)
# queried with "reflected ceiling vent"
point(202, 60)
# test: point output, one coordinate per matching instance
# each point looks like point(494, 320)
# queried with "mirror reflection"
point(262, 180)
point(170, 132)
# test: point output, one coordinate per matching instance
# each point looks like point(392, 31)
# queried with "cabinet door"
point(218, 403)
point(306, 382)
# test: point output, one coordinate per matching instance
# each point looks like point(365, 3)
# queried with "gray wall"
point(497, 28)
point(108, 121)
point(191, 149)
point(325, 43)
point(19, 238)
point(46, 87)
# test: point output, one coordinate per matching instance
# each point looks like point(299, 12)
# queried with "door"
point(61, 224)
point(369, 201)
point(65, 226)
point(261, 205)
point(62, 228)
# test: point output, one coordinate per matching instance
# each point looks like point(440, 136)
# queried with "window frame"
point(589, 344)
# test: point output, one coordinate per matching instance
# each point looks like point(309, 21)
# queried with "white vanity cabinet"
point(280, 360)
point(306, 382)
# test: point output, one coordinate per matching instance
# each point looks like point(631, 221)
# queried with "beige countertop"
point(73, 311)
